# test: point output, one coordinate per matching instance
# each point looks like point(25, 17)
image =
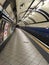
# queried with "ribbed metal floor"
point(21, 51)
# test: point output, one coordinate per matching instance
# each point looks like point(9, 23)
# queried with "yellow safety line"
point(38, 42)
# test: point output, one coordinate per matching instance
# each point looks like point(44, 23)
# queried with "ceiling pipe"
point(34, 7)
point(28, 8)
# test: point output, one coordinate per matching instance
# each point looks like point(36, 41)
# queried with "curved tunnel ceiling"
point(32, 11)
point(41, 14)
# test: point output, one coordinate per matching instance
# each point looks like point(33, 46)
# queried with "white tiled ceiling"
point(24, 7)
point(2, 1)
point(10, 12)
point(19, 9)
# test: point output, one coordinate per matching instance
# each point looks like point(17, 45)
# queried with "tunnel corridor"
point(24, 32)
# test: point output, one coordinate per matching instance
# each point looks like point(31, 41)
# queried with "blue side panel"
point(40, 33)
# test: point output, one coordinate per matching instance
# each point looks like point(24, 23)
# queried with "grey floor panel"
point(20, 51)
